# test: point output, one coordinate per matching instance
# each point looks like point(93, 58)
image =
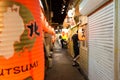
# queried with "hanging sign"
point(21, 45)
point(81, 34)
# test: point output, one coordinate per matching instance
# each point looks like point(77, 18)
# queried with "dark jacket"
point(75, 39)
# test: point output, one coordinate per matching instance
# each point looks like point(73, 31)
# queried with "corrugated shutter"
point(101, 44)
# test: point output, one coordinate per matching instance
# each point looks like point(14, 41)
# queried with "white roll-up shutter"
point(101, 44)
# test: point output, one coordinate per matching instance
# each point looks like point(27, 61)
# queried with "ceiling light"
point(63, 9)
point(63, 6)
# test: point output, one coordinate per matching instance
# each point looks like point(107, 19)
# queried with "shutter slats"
point(101, 44)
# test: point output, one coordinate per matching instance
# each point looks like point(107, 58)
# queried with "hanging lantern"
point(21, 45)
point(81, 34)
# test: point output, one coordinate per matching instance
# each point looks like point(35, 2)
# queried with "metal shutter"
point(101, 44)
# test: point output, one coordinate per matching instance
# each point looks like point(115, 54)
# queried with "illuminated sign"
point(21, 45)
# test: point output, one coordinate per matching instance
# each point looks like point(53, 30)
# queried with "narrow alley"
point(59, 39)
point(62, 68)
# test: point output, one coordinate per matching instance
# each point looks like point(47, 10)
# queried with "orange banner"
point(21, 45)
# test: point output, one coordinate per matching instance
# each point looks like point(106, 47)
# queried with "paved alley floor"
point(62, 68)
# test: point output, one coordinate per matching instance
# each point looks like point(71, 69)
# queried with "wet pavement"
point(62, 68)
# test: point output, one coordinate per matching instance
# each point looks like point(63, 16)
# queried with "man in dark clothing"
point(75, 46)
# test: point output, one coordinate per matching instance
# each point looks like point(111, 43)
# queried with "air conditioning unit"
point(88, 6)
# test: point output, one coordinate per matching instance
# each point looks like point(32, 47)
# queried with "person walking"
point(64, 39)
point(75, 47)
